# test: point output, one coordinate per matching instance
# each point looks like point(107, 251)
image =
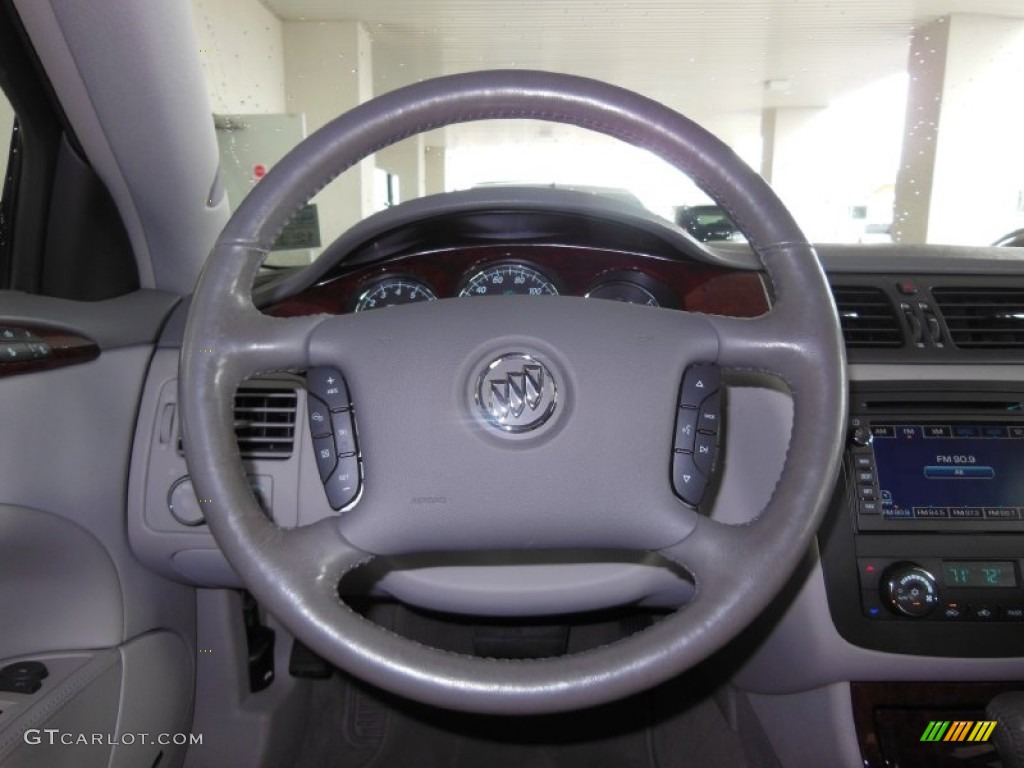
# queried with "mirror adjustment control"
point(23, 677)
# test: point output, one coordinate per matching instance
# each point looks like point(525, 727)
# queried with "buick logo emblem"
point(516, 393)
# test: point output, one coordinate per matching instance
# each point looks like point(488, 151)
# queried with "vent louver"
point(867, 317)
point(264, 422)
point(983, 318)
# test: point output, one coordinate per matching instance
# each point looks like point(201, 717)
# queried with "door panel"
point(66, 570)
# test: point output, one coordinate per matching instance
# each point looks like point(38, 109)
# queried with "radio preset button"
point(864, 461)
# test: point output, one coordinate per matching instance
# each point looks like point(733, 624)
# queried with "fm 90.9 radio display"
point(950, 471)
point(974, 573)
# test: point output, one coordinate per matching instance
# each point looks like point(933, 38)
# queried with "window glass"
point(873, 121)
point(6, 128)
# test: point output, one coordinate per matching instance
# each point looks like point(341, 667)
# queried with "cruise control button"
point(343, 484)
point(699, 381)
point(709, 416)
point(328, 385)
point(326, 456)
point(344, 434)
point(704, 452)
point(319, 417)
point(688, 481)
point(686, 428)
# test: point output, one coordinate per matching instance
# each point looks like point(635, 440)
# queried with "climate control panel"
point(938, 589)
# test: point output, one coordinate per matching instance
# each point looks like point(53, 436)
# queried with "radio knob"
point(909, 590)
point(861, 437)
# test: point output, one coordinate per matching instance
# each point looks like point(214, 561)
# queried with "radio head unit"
point(950, 475)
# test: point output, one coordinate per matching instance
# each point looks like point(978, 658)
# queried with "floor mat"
point(352, 725)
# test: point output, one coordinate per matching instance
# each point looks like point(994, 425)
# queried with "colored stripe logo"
point(958, 730)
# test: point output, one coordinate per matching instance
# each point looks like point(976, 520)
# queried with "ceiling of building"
point(715, 60)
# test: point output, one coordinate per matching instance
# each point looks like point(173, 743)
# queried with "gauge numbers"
point(392, 291)
point(510, 279)
point(623, 290)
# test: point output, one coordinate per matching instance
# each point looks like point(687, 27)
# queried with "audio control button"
point(699, 382)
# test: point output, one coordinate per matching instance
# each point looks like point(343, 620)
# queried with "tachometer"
point(391, 291)
point(623, 290)
point(508, 279)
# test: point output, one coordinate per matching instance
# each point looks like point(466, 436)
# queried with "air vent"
point(983, 318)
point(867, 317)
point(264, 422)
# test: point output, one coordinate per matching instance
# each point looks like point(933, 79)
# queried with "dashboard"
point(920, 558)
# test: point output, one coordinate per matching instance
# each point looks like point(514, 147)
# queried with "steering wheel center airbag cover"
point(516, 393)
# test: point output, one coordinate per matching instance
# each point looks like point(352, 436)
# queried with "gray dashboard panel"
point(900, 259)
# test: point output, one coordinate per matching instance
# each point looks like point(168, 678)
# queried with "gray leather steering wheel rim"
point(294, 573)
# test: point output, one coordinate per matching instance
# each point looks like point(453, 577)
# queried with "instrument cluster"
point(514, 278)
point(423, 274)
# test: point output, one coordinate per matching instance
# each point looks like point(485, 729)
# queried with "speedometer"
point(392, 291)
point(508, 279)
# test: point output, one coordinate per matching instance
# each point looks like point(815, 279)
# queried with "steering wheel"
point(595, 476)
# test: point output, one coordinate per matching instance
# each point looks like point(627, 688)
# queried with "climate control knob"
point(909, 590)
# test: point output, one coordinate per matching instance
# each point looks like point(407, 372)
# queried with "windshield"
point(875, 122)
